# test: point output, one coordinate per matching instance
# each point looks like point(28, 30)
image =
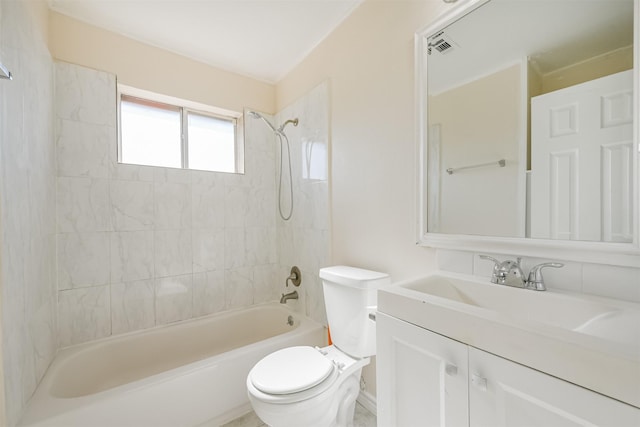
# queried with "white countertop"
point(589, 341)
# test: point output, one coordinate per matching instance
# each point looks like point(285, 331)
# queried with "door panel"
point(517, 396)
point(581, 141)
point(422, 377)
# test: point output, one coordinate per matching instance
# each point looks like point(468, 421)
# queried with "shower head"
point(257, 115)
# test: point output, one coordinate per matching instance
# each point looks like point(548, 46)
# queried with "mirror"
point(526, 124)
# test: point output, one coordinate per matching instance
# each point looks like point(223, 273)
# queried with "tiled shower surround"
point(144, 246)
point(27, 206)
point(304, 239)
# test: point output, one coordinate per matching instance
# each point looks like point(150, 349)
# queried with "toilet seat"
point(291, 370)
point(341, 364)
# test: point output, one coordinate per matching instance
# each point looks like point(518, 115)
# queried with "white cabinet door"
point(422, 377)
point(506, 394)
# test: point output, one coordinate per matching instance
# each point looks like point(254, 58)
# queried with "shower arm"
point(294, 121)
point(280, 130)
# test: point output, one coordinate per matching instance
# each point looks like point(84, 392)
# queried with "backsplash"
point(144, 246)
point(596, 279)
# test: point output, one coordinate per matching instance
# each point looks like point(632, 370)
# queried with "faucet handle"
point(496, 267)
point(295, 277)
point(535, 280)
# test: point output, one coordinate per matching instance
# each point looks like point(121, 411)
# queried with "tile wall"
point(27, 203)
point(596, 279)
point(304, 239)
point(145, 246)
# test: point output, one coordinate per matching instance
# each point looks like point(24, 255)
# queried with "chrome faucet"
point(535, 280)
point(510, 273)
point(287, 297)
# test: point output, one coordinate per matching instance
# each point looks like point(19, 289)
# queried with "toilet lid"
point(291, 370)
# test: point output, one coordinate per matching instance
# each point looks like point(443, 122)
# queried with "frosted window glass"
point(211, 143)
point(150, 134)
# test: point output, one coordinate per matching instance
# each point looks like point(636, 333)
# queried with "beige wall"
point(603, 65)
point(369, 62)
point(481, 123)
point(146, 67)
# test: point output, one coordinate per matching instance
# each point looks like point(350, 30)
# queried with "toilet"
point(318, 387)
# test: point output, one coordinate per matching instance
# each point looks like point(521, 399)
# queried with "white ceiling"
point(553, 34)
point(263, 39)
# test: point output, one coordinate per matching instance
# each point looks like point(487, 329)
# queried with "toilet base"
point(335, 407)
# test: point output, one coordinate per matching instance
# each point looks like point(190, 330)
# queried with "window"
point(178, 134)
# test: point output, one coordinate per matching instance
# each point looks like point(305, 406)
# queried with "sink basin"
point(587, 340)
point(553, 308)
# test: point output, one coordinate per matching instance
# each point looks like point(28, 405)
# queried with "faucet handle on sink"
point(496, 267)
point(535, 280)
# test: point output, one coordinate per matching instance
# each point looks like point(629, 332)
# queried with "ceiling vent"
point(440, 43)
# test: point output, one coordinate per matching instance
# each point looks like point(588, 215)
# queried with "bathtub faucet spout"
point(287, 297)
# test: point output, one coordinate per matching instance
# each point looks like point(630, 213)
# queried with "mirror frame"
point(620, 254)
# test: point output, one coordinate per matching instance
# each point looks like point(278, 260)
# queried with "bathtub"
point(185, 374)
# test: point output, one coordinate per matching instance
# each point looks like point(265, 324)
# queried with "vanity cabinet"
point(422, 376)
point(427, 379)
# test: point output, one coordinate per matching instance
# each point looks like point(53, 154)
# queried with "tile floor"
point(363, 418)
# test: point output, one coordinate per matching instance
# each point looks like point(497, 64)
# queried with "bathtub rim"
point(50, 406)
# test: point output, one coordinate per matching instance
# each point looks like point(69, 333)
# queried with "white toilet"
point(318, 387)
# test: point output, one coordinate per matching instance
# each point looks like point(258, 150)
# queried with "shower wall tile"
point(237, 201)
point(305, 239)
point(83, 204)
point(208, 293)
point(264, 279)
point(172, 175)
point(172, 205)
point(82, 149)
point(166, 245)
point(174, 299)
point(132, 306)
point(173, 254)
point(312, 249)
point(208, 200)
point(42, 332)
point(83, 260)
point(260, 138)
point(208, 249)
point(260, 245)
point(85, 95)
point(235, 252)
point(132, 205)
point(127, 172)
point(27, 207)
point(132, 256)
point(238, 287)
point(314, 297)
point(83, 314)
point(261, 174)
point(262, 212)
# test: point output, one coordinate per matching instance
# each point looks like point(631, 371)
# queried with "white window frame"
point(186, 107)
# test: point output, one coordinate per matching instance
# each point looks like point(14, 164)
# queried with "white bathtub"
point(178, 375)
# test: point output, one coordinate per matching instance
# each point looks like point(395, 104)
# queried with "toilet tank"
point(349, 294)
